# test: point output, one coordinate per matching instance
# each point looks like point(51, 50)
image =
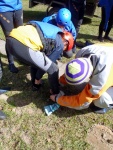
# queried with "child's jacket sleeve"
point(76, 100)
point(62, 80)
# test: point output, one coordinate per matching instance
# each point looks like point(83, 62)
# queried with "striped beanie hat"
point(78, 71)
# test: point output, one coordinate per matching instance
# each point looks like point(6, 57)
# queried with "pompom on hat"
point(78, 71)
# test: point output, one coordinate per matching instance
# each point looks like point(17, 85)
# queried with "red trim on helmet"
point(68, 36)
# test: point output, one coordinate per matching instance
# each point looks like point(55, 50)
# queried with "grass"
point(27, 127)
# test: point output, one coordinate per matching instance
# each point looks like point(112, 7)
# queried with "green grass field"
point(27, 127)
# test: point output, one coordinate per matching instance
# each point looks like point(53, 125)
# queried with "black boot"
point(87, 43)
point(2, 115)
point(100, 38)
point(99, 110)
point(12, 68)
point(109, 29)
point(36, 87)
point(4, 90)
point(74, 50)
point(108, 38)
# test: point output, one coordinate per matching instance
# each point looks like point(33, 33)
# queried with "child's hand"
point(56, 96)
point(52, 97)
point(51, 92)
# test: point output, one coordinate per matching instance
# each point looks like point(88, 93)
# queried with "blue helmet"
point(63, 17)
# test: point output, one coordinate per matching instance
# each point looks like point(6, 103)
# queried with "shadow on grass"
point(68, 112)
point(87, 20)
point(13, 78)
point(33, 15)
point(40, 100)
point(86, 36)
point(21, 93)
point(25, 97)
point(96, 16)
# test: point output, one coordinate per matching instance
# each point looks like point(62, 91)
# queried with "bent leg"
point(105, 100)
point(44, 63)
point(110, 23)
point(104, 103)
point(18, 18)
point(101, 26)
point(6, 22)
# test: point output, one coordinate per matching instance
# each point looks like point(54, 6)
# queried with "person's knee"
point(74, 50)
point(53, 68)
point(68, 54)
point(104, 101)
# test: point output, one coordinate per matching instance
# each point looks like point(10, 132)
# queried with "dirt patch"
point(100, 138)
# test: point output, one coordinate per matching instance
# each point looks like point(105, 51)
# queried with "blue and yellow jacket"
point(35, 34)
point(10, 5)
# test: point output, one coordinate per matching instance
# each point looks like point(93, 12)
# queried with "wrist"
point(56, 98)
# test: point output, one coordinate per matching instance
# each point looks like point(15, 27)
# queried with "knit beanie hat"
point(78, 71)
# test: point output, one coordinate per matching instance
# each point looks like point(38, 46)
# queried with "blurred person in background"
point(106, 19)
point(77, 8)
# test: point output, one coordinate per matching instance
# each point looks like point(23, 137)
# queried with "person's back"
point(50, 19)
point(49, 36)
point(35, 35)
point(10, 5)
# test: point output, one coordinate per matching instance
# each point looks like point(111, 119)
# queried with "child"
point(91, 73)
point(63, 20)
